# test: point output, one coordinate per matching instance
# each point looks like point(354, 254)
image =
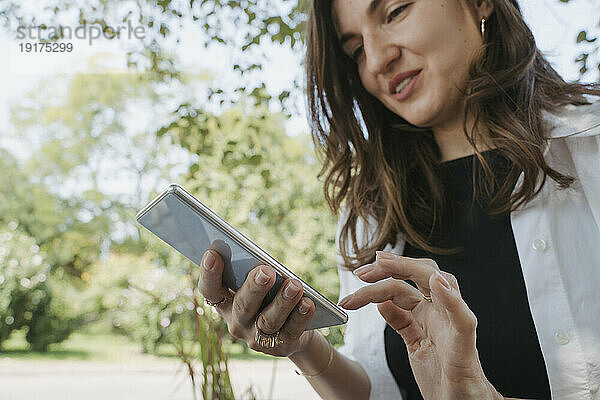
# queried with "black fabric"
point(491, 282)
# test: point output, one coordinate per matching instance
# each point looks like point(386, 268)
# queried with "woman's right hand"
point(289, 313)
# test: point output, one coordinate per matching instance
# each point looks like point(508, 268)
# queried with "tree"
point(34, 287)
point(77, 133)
point(239, 26)
point(263, 182)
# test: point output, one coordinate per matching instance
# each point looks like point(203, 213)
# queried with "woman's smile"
point(407, 86)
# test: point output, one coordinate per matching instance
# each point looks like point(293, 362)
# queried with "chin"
point(419, 119)
point(421, 114)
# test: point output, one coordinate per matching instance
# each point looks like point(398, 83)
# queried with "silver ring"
point(427, 298)
point(210, 303)
point(266, 340)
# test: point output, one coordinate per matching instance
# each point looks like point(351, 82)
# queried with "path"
point(153, 380)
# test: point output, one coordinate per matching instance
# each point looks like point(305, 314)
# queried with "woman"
point(457, 149)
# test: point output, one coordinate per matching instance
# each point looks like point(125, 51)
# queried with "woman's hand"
point(439, 334)
point(289, 313)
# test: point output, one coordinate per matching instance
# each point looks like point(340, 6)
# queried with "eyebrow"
point(373, 6)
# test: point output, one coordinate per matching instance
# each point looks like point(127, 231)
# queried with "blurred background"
point(103, 104)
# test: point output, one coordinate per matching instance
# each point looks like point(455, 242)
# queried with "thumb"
point(460, 315)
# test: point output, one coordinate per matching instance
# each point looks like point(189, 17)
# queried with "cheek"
point(451, 58)
point(370, 84)
point(367, 80)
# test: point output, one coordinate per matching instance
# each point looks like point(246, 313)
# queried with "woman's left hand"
point(440, 334)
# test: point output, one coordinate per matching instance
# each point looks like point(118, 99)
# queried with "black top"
point(491, 282)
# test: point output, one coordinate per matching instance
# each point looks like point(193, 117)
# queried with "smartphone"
point(191, 228)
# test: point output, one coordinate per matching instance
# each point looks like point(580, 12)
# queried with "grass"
point(109, 348)
point(103, 348)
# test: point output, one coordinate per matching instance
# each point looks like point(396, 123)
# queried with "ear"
point(483, 8)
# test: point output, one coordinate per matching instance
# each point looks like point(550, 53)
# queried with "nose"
point(380, 52)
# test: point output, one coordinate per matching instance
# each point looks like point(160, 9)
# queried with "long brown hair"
point(388, 170)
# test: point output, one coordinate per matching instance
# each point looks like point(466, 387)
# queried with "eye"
point(397, 11)
point(357, 53)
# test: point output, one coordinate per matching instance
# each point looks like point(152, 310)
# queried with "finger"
point(272, 318)
point(399, 292)
point(210, 283)
point(403, 322)
point(389, 265)
point(461, 316)
point(250, 296)
point(298, 319)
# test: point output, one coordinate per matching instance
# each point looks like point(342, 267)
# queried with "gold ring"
point(210, 303)
point(266, 340)
point(427, 298)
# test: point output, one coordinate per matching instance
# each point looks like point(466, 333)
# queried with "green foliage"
point(264, 183)
point(158, 303)
point(587, 48)
point(30, 297)
point(137, 296)
point(23, 274)
point(239, 26)
point(56, 225)
point(59, 313)
point(247, 169)
point(71, 138)
point(48, 249)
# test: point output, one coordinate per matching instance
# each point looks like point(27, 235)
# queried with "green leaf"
point(582, 37)
point(255, 160)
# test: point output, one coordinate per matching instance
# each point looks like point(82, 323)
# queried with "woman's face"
point(394, 39)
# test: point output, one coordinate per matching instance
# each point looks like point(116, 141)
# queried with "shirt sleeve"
point(364, 340)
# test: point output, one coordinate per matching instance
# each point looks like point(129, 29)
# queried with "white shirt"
point(558, 241)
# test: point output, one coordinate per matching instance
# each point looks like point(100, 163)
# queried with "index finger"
point(387, 265)
point(210, 283)
point(399, 292)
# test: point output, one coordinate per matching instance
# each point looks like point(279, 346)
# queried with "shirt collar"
point(574, 120)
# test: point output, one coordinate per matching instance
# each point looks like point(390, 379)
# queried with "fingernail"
point(442, 280)
point(303, 307)
point(363, 269)
point(290, 291)
point(261, 278)
point(385, 254)
point(345, 300)
point(209, 261)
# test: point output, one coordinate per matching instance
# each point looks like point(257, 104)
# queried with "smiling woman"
point(450, 142)
point(411, 31)
point(455, 152)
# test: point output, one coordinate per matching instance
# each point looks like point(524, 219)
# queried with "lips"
point(397, 79)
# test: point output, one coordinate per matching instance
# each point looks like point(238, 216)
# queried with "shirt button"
point(561, 337)
point(539, 245)
point(594, 389)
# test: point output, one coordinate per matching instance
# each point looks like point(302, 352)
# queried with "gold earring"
point(483, 27)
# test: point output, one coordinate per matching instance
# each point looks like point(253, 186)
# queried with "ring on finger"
point(427, 298)
point(214, 304)
point(266, 340)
